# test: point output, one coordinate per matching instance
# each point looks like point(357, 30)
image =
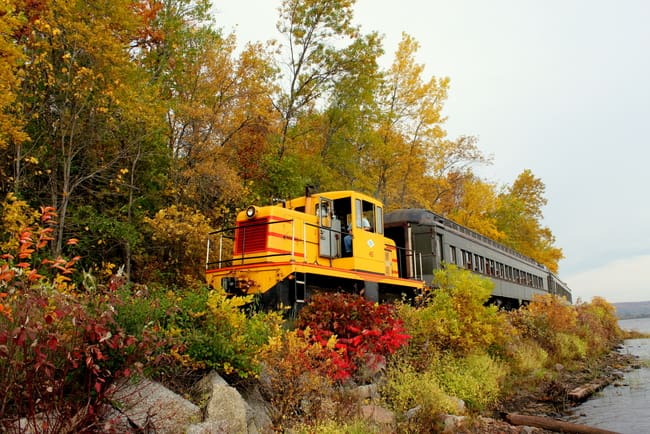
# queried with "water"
point(624, 409)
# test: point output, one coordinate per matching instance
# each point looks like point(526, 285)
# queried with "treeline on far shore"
point(632, 309)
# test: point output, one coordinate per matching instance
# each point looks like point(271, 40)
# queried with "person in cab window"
point(347, 239)
point(365, 224)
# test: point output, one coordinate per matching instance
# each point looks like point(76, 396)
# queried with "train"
point(344, 241)
point(430, 242)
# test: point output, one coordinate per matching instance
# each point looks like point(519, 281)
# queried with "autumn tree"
point(335, 147)
point(321, 48)
point(311, 28)
point(519, 217)
point(471, 202)
point(409, 128)
point(219, 108)
point(77, 99)
point(12, 134)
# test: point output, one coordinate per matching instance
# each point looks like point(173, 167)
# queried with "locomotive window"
point(366, 217)
point(379, 225)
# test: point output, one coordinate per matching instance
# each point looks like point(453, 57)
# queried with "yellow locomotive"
point(321, 241)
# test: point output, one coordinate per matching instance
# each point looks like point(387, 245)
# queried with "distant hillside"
point(635, 309)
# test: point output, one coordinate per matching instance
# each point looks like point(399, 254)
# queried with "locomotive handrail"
point(242, 257)
point(223, 233)
point(414, 260)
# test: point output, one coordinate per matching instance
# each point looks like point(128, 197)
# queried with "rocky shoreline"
point(530, 409)
point(554, 400)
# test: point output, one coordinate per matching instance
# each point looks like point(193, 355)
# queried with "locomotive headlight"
point(251, 211)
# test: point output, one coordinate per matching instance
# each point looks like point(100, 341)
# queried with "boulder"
point(379, 416)
point(150, 406)
point(226, 406)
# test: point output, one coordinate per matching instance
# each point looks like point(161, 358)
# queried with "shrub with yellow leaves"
point(179, 235)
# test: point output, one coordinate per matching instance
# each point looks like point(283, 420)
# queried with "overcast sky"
point(558, 87)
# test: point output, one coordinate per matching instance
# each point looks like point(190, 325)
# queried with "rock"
point(147, 406)
point(210, 427)
point(225, 404)
point(461, 408)
point(412, 412)
point(366, 392)
point(150, 406)
point(379, 416)
point(451, 423)
point(257, 416)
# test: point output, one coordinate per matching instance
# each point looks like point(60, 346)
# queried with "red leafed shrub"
point(365, 332)
point(60, 348)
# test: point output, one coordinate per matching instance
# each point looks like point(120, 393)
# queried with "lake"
point(624, 408)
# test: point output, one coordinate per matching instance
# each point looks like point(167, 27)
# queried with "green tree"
point(81, 97)
point(340, 135)
point(312, 29)
point(219, 107)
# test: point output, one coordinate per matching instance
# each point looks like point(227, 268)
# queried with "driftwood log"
point(553, 424)
point(581, 393)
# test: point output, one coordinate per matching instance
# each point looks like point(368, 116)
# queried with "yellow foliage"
point(225, 309)
point(406, 387)
point(568, 332)
point(180, 235)
point(474, 378)
point(557, 313)
point(456, 318)
point(526, 356)
point(16, 215)
point(11, 55)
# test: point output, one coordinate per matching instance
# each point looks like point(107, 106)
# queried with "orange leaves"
point(31, 241)
point(5, 309)
point(6, 274)
point(148, 33)
point(34, 276)
point(48, 214)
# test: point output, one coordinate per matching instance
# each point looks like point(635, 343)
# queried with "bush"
point(455, 318)
point(297, 378)
point(179, 237)
point(569, 347)
point(475, 378)
point(568, 332)
point(365, 332)
point(406, 387)
point(526, 357)
point(203, 329)
point(60, 349)
point(598, 325)
point(338, 427)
